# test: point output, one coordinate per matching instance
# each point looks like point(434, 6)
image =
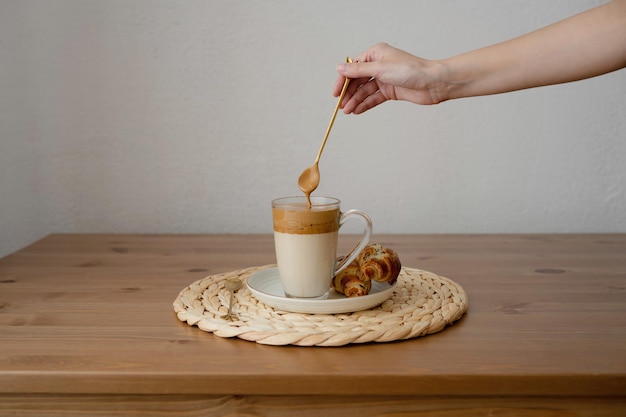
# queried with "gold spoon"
point(231, 284)
point(310, 177)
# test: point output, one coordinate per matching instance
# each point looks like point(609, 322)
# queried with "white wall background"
point(190, 116)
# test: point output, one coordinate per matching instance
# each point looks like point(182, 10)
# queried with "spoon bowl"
point(231, 284)
point(309, 180)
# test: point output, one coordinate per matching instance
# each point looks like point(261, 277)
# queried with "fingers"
point(366, 96)
point(350, 71)
point(338, 85)
point(345, 71)
point(363, 91)
point(339, 82)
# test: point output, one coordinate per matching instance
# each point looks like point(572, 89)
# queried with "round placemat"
point(422, 303)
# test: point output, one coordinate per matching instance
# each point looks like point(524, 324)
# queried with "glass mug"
point(305, 239)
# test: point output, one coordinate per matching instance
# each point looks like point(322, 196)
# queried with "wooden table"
point(87, 325)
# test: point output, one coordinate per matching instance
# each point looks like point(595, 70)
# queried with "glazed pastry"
point(376, 263)
point(350, 282)
point(379, 264)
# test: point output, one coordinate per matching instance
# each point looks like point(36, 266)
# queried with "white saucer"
point(265, 286)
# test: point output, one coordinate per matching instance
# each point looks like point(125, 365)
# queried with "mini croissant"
point(380, 264)
point(350, 282)
point(374, 263)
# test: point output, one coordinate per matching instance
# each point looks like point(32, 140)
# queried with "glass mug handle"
point(365, 238)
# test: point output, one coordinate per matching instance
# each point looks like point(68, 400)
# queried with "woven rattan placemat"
point(422, 303)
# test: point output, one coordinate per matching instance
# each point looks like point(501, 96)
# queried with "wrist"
point(441, 85)
point(455, 80)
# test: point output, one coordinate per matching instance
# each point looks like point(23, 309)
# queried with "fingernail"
point(341, 67)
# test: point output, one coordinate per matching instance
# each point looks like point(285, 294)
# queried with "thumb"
point(357, 69)
point(349, 70)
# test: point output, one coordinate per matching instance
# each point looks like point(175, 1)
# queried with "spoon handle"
point(332, 120)
point(230, 304)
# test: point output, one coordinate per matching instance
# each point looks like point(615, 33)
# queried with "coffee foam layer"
point(304, 220)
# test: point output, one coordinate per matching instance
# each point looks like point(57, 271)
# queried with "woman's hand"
point(385, 73)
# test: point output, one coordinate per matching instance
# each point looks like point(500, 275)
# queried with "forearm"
point(588, 44)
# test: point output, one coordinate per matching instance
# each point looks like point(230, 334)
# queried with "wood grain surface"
point(87, 325)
